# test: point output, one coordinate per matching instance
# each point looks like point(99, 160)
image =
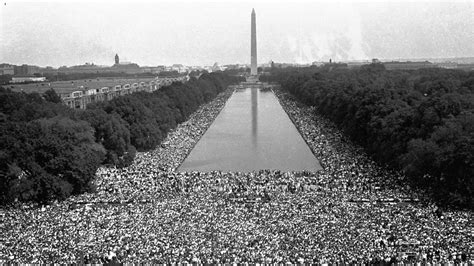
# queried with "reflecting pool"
point(252, 132)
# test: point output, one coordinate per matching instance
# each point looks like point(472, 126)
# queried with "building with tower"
point(117, 60)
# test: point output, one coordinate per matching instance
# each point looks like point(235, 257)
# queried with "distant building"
point(356, 64)
point(466, 67)
point(6, 69)
point(129, 68)
point(48, 70)
point(124, 67)
point(179, 68)
point(216, 67)
point(285, 65)
point(153, 70)
point(395, 65)
point(90, 68)
point(86, 68)
point(26, 70)
point(27, 79)
point(80, 98)
point(233, 66)
point(333, 65)
point(317, 63)
point(448, 65)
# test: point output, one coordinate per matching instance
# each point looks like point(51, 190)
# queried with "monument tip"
point(253, 11)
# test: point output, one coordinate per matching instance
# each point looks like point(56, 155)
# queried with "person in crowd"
point(352, 211)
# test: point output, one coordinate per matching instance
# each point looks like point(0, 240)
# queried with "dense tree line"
point(45, 151)
point(48, 151)
point(421, 122)
point(150, 116)
point(5, 79)
point(61, 76)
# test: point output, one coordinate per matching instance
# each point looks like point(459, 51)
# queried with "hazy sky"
point(202, 33)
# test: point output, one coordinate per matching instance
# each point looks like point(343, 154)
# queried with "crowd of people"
point(352, 211)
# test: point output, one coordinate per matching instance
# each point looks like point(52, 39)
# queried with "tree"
point(418, 121)
point(51, 96)
point(48, 159)
point(49, 151)
point(112, 132)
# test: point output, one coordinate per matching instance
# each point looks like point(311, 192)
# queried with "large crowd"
point(353, 211)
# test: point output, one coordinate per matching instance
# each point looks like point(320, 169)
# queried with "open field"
point(73, 85)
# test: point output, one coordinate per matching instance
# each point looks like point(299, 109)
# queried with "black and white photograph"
point(237, 132)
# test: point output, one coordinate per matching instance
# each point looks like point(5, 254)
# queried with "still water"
point(252, 132)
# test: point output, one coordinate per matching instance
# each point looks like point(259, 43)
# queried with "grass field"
point(73, 85)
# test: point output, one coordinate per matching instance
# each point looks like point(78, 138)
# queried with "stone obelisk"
point(253, 46)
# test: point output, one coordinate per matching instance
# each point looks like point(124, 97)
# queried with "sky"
point(205, 32)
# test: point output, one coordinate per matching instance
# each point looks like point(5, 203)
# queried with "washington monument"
point(253, 46)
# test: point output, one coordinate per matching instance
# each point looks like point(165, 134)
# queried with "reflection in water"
point(254, 98)
point(252, 132)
